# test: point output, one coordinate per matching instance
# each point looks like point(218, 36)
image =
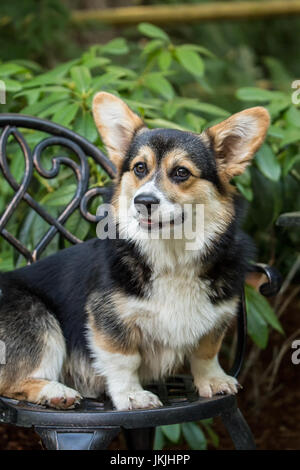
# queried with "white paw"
point(57, 395)
point(140, 399)
point(221, 383)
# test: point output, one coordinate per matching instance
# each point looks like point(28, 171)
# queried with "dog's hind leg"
point(35, 351)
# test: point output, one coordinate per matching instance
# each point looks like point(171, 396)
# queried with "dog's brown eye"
point(181, 173)
point(140, 169)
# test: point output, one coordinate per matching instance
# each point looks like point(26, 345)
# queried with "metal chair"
point(95, 423)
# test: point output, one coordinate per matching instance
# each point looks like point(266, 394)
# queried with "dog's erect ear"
point(116, 124)
point(236, 140)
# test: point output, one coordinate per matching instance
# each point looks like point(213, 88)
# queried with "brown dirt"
point(275, 424)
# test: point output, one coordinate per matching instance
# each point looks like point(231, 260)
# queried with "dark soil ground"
point(275, 424)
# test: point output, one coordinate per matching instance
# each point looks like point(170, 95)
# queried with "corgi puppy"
point(116, 312)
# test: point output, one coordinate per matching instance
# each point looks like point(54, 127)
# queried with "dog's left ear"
point(236, 140)
point(116, 124)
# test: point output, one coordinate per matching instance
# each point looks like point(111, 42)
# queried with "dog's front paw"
point(215, 384)
point(57, 395)
point(141, 399)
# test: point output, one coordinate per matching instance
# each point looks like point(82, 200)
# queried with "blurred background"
point(186, 65)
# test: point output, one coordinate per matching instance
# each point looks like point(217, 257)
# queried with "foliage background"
point(185, 77)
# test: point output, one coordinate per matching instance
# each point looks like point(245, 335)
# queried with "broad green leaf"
point(10, 69)
point(85, 126)
point(152, 31)
point(166, 124)
point(263, 307)
point(53, 109)
point(291, 135)
point(159, 84)
point(275, 131)
point(117, 46)
point(246, 191)
point(258, 94)
point(81, 77)
point(267, 163)
point(200, 49)
point(12, 85)
point(292, 116)
point(289, 163)
point(159, 439)
point(172, 432)
point(66, 115)
point(164, 60)
point(152, 46)
point(190, 60)
point(257, 326)
point(77, 225)
point(53, 77)
point(196, 122)
point(194, 436)
point(37, 108)
point(61, 196)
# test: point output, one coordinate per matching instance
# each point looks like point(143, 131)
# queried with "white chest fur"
point(173, 317)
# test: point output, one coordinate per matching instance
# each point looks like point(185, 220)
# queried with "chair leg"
point(238, 429)
point(139, 439)
point(83, 439)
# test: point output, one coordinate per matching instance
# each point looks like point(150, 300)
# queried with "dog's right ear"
point(116, 124)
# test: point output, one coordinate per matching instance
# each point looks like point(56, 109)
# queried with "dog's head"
point(161, 171)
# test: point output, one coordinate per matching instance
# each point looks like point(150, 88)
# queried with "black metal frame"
point(95, 423)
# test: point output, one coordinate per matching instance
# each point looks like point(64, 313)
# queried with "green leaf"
point(77, 225)
point(258, 94)
point(257, 327)
point(267, 163)
point(159, 84)
point(66, 115)
point(152, 46)
point(159, 439)
point(166, 124)
point(85, 126)
point(200, 49)
point(172, 432)
point(37, 108)
point(263, 308)
point(53, 77)
point(289, 163)
point(117, 46)
point(246, 191)
point(190, 60)
point(164, 60)
point(10, 69)
point(12, 85)
point(196, 122)
point(275, 131)
point(291, 135)
point(152, 31)
point(194, 436)
point(61, 196)
point(81, 77)
point(292, 116)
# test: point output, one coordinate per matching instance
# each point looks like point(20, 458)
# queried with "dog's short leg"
point(209, 377)
point(43, 392)
point(122, 381)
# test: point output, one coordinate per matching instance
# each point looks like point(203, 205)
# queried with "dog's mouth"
point(149, 223)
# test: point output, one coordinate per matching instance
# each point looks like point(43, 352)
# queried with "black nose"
point(147, 200)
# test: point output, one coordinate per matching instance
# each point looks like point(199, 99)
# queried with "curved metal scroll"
point(62, 137)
